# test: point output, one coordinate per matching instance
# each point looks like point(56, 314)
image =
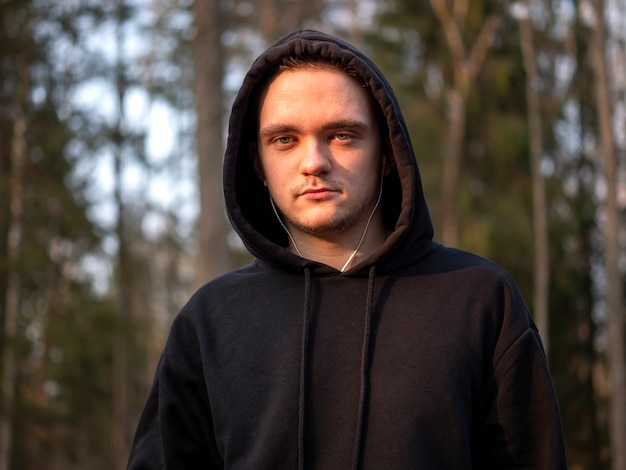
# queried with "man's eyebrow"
point(346, 124)
point(275, 129)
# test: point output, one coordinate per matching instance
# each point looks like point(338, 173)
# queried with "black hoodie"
point(419, 356)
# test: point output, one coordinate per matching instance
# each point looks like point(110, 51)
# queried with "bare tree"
point(123, 282)
point(17, 161)
point(9, 358)
point(614, 288)
point(208, 58)
point(540, 218)
point(467, 62)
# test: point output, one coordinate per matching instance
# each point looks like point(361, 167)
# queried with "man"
point(353, 340)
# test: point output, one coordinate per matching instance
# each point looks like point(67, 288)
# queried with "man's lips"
point(317, 193)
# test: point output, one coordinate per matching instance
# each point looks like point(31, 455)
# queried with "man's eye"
point(342, 136)
point(283, 140)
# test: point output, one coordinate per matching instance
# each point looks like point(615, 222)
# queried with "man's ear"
point(253, 151)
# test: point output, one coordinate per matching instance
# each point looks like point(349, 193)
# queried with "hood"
point(248, 206)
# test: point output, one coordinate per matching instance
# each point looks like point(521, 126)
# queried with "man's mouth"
point(317, 193)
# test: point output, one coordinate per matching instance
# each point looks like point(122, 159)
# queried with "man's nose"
point(316, 158)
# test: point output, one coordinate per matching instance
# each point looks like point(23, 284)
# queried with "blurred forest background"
point(112, 123)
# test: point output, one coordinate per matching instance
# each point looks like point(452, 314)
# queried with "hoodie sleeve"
point(520, 419)
point(175, 429)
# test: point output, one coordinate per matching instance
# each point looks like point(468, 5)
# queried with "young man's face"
point(320, 152)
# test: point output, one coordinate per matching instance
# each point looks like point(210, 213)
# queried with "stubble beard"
point(334, 224)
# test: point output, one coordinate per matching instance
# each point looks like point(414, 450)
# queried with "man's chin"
point(321, 227)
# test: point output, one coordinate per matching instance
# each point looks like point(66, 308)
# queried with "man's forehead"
point(327, 95)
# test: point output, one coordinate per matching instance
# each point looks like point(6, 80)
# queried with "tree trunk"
point(541, 266)
point(9, 357)
point(466, 64)
point(123, 426)
point(614, 289)
point(268, 18)
point(215, 257)
point(452, 166)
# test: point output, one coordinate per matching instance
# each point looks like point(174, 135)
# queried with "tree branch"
point(450, 29)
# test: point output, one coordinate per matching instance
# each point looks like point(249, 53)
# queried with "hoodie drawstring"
point(365, 356)
point(306, 321)
point(364, 380)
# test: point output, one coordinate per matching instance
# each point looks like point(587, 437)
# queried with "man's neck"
point(336, 250)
